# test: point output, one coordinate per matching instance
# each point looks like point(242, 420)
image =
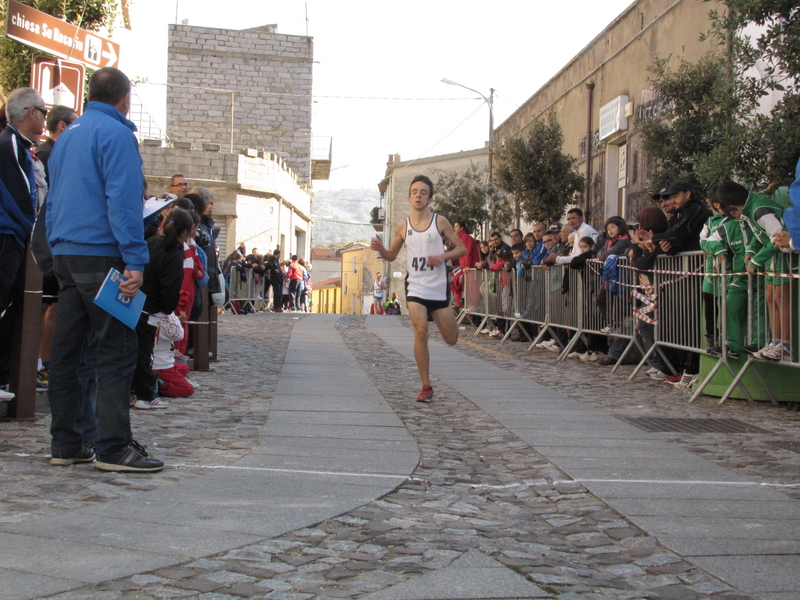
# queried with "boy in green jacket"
point(761, 219)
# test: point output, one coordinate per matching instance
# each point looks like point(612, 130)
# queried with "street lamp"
point(490, 103)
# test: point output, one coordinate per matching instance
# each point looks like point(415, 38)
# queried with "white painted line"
point(302, 471)
point(680, 482)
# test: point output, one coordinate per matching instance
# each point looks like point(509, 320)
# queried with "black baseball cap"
point(555, 227)
point(678, 186)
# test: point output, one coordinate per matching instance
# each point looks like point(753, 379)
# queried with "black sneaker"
point(84, 455)
point(751, 348)
point(135, 459)
point(715, 351)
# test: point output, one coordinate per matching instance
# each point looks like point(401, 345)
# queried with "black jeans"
point(79, 278)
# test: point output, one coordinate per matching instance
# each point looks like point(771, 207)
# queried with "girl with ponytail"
point(163, 277)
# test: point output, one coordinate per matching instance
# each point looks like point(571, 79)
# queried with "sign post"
point(59, 38)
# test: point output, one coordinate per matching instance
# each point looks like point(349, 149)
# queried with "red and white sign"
point(54, 36)
point(59, 82)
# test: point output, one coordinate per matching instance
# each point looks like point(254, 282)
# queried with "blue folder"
point(109, 298)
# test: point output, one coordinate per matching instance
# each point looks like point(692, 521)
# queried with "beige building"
point(602, 97)
point(258, 200)
point(394, 199)
point(360, 265)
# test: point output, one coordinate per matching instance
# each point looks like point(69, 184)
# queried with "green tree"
point(773, 50)
point(15, 58)
point(716, 127)
point(462, 196)
point(536, 171)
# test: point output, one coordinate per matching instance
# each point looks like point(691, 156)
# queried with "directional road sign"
point(59, 38)
point(59, 82)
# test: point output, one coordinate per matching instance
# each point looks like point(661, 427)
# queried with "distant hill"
point(335, 213)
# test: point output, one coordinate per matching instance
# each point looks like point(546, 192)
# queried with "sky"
point(378, 65)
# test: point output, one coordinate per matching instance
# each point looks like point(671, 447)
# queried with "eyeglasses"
point(40, 109)
point(179, 185)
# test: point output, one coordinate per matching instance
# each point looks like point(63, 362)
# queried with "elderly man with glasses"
point(26, 112)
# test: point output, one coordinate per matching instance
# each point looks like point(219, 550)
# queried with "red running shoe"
point(426, 395)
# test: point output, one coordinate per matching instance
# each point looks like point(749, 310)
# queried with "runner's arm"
point(397, 243)
point(458, 250)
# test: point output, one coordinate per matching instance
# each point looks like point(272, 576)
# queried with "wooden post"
point(25, 353)
point(200, 335)
point(213, 317)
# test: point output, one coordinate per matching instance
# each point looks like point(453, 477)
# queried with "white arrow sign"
point(110, 55)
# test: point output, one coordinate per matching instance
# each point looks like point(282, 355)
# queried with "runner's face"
point(419, 195)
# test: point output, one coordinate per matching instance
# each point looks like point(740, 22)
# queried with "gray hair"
point(57, 114)
point(19, 101)
point(204, 193)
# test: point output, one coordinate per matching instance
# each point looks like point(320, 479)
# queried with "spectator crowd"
point(80, 197)
point(750, 241)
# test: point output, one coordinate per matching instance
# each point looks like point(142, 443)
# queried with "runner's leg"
point(445, 320)
point(419, 319)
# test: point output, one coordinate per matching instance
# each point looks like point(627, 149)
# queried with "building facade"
point(360, 265)
point(242, 89)
point(394, 198)
point(603, 95)
point(258, 200)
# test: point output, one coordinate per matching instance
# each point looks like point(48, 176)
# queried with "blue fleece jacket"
point(791, 216)
point(94, 205)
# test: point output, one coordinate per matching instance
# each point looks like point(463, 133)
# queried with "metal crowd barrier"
point(662, 312)
point(244, 289)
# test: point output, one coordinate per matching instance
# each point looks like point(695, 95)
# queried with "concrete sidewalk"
point(739, 531)
point(335, 441)
point(331, 444)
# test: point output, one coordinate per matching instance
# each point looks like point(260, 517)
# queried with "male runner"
point(427, 289)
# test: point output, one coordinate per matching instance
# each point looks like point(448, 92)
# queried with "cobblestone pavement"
point(477, 486)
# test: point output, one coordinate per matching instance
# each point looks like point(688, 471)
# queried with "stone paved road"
point(478, 488)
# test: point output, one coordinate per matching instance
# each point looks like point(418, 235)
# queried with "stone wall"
point(249, 88)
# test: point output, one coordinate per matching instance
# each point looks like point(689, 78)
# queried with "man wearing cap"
point(690, 215)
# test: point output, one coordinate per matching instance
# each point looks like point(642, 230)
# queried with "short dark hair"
point(424, 179)
point(575, 211)
point(518, 246)
point(519, 231)
point(108, 85)
point(57, 114)
point(495, 234)
point(172, 180)
point(184, 203)
point(586, 240)
point(729, 193)
point(198, 202)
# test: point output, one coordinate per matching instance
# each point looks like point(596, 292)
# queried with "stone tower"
point(242, 89)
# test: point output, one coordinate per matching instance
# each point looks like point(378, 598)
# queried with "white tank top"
point(424, 281)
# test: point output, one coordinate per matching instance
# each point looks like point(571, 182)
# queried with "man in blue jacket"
point(94, 223)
